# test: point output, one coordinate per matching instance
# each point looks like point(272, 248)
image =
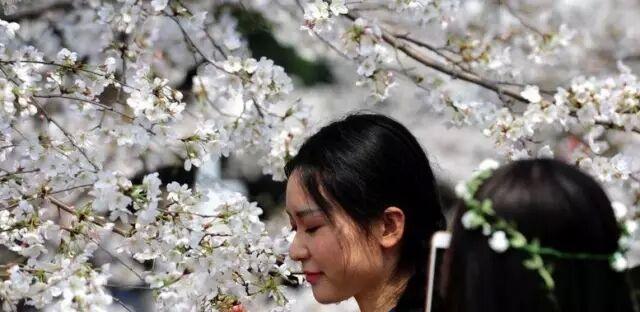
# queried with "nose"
point(297, 250)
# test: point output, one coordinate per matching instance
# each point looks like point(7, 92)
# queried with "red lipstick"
point(312, 277)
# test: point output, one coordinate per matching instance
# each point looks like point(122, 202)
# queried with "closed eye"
point(312, 230)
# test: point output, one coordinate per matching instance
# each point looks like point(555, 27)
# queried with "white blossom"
point(619, 209)
point(10, 28)
point(619, 262)
point(93, 96)
point(471, 220)
point(488, 164)
point(532, 94)
point(338, 7)
point(499, 242)
point(159, 5)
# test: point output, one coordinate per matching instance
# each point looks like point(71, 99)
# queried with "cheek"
point(363, 261)
point(344, 258)
point(325, 247)
point(350, 267)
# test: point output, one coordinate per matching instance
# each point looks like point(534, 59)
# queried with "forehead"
point(297, 199)
point(300, 204)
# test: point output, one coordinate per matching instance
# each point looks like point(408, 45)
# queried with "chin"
point(326, 296)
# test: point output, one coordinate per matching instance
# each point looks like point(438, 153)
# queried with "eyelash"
point(308, 231)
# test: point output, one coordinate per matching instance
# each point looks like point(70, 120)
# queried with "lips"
point(312, 277)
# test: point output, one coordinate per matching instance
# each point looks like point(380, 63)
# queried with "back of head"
point(565, 210)
point(366, 163)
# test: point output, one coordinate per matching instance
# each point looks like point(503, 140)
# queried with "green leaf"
point(487, 208)
point(547, 278)
point(534, 247)
point(534, 263)
point(517, 239)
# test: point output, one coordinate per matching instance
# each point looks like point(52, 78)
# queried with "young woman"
point(363, 202)
point(544, 244)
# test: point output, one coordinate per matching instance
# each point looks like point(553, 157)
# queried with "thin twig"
point(66, 133)
point(211, 40)
point(432, 49)
point(19, 171)
point(189, 41)
point(70, 188)
point(105, 107)
point(36, 12)
point(72, 211)
point(121, 304)
point(188, 213)
point(118, 259)
point(129, 286)
point(414, 54)
point(72, 68)
point(419, 57)
point(208, 100)
point(8, 146)
point(520, 19)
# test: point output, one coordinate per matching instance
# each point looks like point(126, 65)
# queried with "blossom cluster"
point(93, 93)
point(77, 125)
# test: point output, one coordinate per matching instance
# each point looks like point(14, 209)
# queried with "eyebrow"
point(305, 212)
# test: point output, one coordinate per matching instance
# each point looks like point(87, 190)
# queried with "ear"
point(392, 227)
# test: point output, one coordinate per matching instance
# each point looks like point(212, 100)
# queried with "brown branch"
point(487, 84)
point(118, 301)
point(36, 12)
point(189, 41)
point(631, 58)
point(70, 188)
point(429, 47)
point(117, 259)
point(520, 19)
point(19, 171)
point(448, 58)
point(188, 213)
point(206, 32)
point(612, 126)
point(72, 211)
point(53, 64)
point(105, 107)
point(422, 59)
point(67, 67)
point(66, 133)
point(414, 54)
point(129, 286)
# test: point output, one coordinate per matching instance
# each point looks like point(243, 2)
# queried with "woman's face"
point(337, 258)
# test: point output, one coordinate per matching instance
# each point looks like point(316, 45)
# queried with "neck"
point(383, 297)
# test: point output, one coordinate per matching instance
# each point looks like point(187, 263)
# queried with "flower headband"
point(503, 234)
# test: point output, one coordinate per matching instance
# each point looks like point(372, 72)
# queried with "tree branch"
point(71, 68)
point(419, 57)
point(105, 107)
point(19, 171)
point(72, 211)
point(520, 19)
point(67, 134)
point(37, 11)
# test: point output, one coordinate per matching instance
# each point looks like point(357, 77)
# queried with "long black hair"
point(566, 210)
point(366, 163)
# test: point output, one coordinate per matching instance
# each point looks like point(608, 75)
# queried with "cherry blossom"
point(93, 93)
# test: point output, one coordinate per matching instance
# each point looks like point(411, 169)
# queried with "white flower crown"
point(503, 234)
